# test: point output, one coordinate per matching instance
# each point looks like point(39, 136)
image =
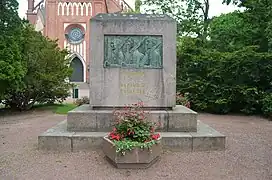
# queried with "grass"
point(56, 108)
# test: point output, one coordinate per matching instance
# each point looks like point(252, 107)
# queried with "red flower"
point(155, 136)
point(118, 137)
point(114, 136)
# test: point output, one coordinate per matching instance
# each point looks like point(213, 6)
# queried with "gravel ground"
point(248, 154)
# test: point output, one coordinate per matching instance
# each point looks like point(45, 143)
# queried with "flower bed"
point(133, 142)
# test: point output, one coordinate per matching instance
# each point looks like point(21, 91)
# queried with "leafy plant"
point(46, 70)
point(192, 16)
point(12, 68)
point(223, 82)
point(267, 105)
point(133, 129)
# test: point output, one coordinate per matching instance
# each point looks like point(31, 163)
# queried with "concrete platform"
point(84, 119)
point(59, 139)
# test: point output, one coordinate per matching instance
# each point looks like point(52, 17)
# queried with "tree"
point(230, 32)
point(192, 15)
point(11, 67)
point(259, 14)
point(47, 69)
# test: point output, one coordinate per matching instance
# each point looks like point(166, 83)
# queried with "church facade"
point(68, 21)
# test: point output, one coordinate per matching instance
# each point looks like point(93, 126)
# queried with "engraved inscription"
point(132, 88)
point(133, 51)
point(131, 83)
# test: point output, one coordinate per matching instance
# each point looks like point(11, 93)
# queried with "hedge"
point(218, 82)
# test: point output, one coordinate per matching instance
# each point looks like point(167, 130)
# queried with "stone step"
point(84, 119)
point(58, 138)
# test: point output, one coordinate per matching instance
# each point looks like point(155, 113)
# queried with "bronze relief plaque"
point(133, 51)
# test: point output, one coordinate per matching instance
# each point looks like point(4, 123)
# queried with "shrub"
point(267, 105)
point(46, 70)
point(81, 101)
point(220, 82)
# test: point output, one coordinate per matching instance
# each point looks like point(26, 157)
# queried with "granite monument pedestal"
point(133, 58)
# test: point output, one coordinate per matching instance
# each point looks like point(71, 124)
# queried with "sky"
point(216, 7)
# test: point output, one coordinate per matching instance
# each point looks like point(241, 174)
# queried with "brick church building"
point(68, 21)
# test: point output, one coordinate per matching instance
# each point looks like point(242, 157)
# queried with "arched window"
point(78, 70)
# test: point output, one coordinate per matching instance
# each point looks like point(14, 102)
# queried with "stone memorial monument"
point(136, 60)
point(132, 59)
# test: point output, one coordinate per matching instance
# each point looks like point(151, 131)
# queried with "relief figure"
point(152, 57)
point(131, 54)
point(114, 54)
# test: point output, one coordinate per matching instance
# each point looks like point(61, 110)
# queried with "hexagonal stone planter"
point(134, 159)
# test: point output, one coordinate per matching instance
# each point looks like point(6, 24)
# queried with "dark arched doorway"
point(78, 70)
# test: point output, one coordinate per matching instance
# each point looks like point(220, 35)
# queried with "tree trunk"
point(206, 19)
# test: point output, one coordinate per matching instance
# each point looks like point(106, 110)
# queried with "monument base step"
point(58, 138)
point(85, 119)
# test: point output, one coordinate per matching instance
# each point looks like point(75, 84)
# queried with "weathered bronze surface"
point(133, 51)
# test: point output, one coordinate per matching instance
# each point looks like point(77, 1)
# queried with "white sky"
point(216, 7)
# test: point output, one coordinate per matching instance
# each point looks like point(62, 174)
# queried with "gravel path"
point(248, 155)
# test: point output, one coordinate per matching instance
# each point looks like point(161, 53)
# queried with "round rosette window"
point(74, 34)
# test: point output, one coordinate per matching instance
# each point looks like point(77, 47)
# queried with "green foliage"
point(258, 14)
point(32, 67)
point(11, 66)
point(267, 105)
point(192, 15)
point(10, 21)
point(223, 82)
point(137, 10)
point(46, 72)
point(232, 71)
point(138, 4)
point(133, 129)
point(230, 32)
point(128, 145)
